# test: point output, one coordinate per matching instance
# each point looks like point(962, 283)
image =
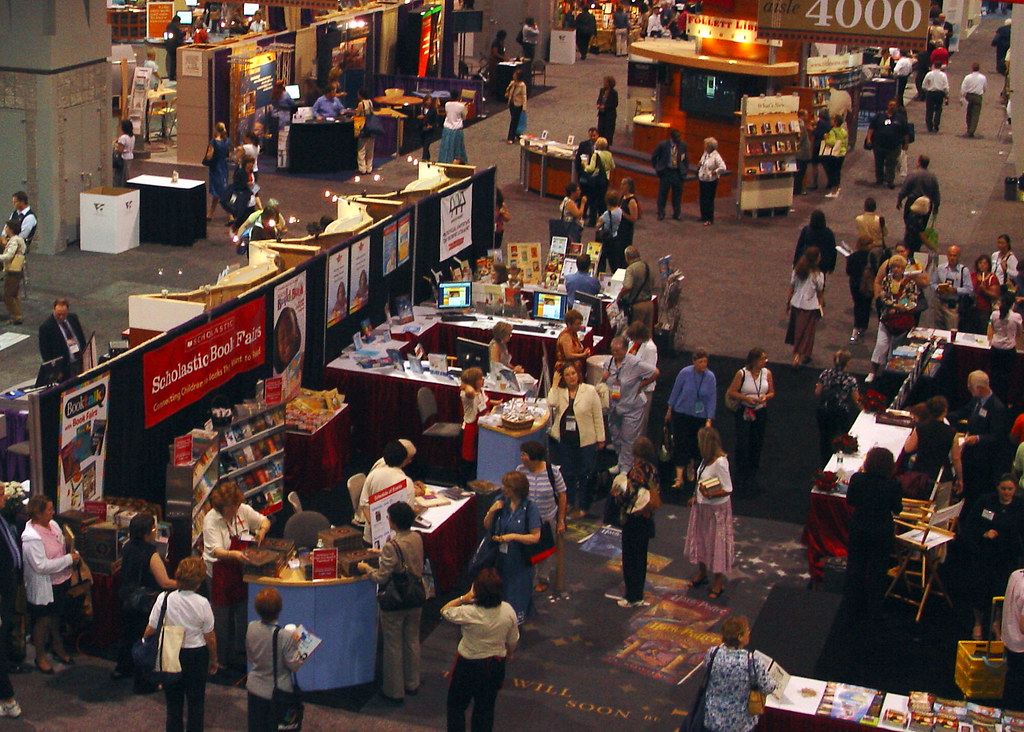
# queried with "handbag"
point(116, 161)
point(521, 127)
point(756, 698)
point(485, 556)
point(403, 590)
point(731, 402)
point(898, 322)
point(157, 655)
point(372, 127)
point(208, 157)
point(139, 599)
point(694, 721)
point(288, 707)
point(534, 554)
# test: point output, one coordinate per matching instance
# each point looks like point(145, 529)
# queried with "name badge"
point(982, 412)
point(570, 424)
point(615, 392)
point(503, 548)
point(246, 536)
point(988, 514)
point(698, 406)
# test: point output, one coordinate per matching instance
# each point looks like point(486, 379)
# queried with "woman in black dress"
point(993, 531)
point(607, 109)
point(933, 448)
point(143, 575)
point(874, 496)
point(817, 234)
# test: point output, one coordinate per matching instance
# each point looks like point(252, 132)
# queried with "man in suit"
point(670, 163)
point(10, 580)
point(986, 448)
point(61, 336)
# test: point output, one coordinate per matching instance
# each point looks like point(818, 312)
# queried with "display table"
point(498, 448)
point(316, 462)
point(546, 168)
point(450, 541)
point(171, 213)
point(503, 75)
point(109, 219)
point(343, 613)
point(795, 710)
point(321, 147)
point(826, 533)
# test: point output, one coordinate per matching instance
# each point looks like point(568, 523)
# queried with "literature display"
point(252, 456)
point(191, 477)
point(769, 136)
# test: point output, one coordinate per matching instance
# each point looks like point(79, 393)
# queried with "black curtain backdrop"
point(137, 457)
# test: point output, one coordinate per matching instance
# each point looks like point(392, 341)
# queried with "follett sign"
point(192, 365)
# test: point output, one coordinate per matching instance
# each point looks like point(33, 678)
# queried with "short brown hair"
point(268, 604)
point(880, 462)
point(517, 483)
point(36, 505)
point(573, 316)
point(733, 628)
point(488, 588)
point(638, 331)
point(225, 494)
point(471, 375)
point(190, 573)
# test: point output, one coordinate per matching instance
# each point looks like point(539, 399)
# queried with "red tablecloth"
point(316, 462)
point(105, 630)
point(776, 720)
point(827, 531)
point(451, 545)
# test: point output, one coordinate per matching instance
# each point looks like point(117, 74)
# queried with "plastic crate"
point(980, 669)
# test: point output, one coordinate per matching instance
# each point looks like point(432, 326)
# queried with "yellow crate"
point(980, 669)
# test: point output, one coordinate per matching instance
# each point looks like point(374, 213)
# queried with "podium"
point(563, 47)
point(109, 219)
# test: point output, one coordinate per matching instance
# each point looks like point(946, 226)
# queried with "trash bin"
point(1010, 189)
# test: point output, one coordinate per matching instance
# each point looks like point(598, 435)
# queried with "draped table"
point(451, 539)
point(316, 462)
point(171, 212)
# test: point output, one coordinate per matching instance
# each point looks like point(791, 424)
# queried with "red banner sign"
point(192, 365)
point(325, 563)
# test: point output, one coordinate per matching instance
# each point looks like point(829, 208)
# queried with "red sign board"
point(273, 390)
point(192, 365)
point(183, 450)
point(158, 15)
point(325, 563)
point(96, 508)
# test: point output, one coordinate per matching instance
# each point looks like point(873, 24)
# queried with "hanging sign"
point(902, 23)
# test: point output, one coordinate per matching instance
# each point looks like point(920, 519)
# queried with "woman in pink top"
point(47, 579)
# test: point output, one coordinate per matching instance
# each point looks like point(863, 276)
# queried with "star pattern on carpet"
point(560, 642)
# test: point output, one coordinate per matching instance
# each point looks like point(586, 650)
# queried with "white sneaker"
point(639, 603)
point(10, 709)
point(869, 378)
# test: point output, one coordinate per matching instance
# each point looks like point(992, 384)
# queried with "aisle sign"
point(456, 222)
point(902, 23)
point(192, 365)
point(380, 528)
point(83, 447)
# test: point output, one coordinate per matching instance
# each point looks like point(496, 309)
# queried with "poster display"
point(337, 287)
point(902, 23)
point(403, 240)
point(359, 285)
point(192, 365)
point(158, 15)
point(255, 83)
point(290, 333)
point(380, 527)
point(456, 222)
point(390, 248)
point(83, 449)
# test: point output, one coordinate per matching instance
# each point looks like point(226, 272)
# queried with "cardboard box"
point(76, 520)
point(102, 542)
point(347, 562)
point(342, 538)
point(285, 546)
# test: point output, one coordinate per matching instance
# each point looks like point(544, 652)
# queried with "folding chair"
point(923, 550)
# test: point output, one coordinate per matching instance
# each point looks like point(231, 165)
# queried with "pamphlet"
point(777, 673)
point(307, 643)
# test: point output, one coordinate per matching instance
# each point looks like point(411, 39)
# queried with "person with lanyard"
point(61, 336)
point(329, 106)
point(752, 388)
point(627, 378)
point(951, 283)
point(24, 214)
point(691, 406)
point(986, 422)
point(1004, 262)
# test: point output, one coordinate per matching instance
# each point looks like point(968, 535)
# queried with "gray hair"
point(710, 143)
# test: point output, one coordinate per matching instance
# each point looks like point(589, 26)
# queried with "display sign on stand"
point(274, 390)
point(138, 99)
point(325, 563)
point(183, 449)
point(83, 445)
point(380, 528)
point(456, 222)
point(158, 15)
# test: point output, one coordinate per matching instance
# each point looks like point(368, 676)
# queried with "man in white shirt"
point(1012, 635)
point(901, 71)
point(23, 213)
point(390, 475)
point(971, 92)
point(950, 282)
point(936, 92)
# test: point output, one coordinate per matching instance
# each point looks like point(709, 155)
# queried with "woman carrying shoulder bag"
point(638, 500)
point(265, 675)
point(515, 92)
point(732, 674)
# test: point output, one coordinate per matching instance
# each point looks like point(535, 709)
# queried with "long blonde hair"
point(710, 444)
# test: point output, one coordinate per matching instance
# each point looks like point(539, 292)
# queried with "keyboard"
point(528, 328)
point(456, 318)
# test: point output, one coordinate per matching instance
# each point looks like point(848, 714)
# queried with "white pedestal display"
point(109, 220)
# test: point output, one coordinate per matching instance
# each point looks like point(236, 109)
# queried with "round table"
point(397, 101)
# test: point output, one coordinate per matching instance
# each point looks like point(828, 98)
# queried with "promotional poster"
point(290, 333)
point(83, 445)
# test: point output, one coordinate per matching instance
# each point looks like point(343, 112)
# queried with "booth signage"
point(273, 390)
point(312, 4)
point(181, 372)
point(902, 23)
point(183, 450)
point(788, 104)
point(833, 64)
point(158, 15)
point(325, 563)
point(380, 527)
point(739, 30)
point(290, 333)
point(456, 222)
point(83, 449)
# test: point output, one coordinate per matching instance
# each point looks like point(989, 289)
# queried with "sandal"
point(714, 594)
point(701, 579)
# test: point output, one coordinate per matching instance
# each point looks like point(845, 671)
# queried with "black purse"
point(536, 553)
point(695, 720)
point(139, 599)
point(288, 707)
point(403, 590)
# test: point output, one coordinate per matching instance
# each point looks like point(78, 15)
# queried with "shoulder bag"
point(534, 554)
point(403, 590)
point(731, 402)
point(157, 656)
point(139, 599)
point(288, 707)
point(627, 307)
point(485, 556)
point(694, 721)
point(756, 698)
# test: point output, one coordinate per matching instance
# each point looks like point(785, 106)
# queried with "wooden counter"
point(544, 173)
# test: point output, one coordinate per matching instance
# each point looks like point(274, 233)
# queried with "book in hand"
point(775, 671)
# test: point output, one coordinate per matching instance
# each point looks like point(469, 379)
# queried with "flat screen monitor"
point(50, 372)
point(472, 353)
point(454, 295)
point(185, 16)
point(549, 305)
point(715, 94)
point(293, 91)
point(596, 305)
point(250, 9)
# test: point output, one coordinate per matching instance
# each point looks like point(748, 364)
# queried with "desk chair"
point(304, 529)
point(355, 491)
point(426, 403)
point(923, 550)
point(468, 97)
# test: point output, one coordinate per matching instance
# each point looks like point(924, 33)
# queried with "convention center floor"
point(579, 667)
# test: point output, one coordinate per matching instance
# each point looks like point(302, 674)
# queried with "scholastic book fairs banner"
point(83, 447)
point(192, 365)
point(900, 23)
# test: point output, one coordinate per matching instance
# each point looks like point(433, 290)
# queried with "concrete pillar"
point(1016, 82)
point(54, 110)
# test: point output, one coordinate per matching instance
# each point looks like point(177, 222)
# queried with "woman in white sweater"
point(578, 430)
point(709, 534)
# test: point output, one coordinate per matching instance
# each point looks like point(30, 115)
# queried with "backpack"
point(519, 37)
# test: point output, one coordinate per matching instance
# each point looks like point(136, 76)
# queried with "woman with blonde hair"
point(474, 403)
point(598, 170)
point(708, 172)
point(709, 535)
point(498, 351)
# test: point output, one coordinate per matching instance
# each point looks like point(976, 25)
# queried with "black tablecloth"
point(321, 147)
point(175, 216)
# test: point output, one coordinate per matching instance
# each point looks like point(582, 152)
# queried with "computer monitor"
point(293, 91)
point(50, 373)
point(549, 305)
point(191, 3)
point(472, 353)
point(454, 295)
point(250, 9)
point(185, 16)
point(596, 308)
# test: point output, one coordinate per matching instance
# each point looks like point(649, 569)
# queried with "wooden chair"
point(922, 551)
point(355, 492)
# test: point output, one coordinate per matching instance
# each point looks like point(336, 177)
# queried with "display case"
point(769, 137)
point(252, 456)
point(191, 477)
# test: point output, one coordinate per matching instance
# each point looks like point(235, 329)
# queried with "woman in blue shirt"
point(690, 407)
point(513, 520)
